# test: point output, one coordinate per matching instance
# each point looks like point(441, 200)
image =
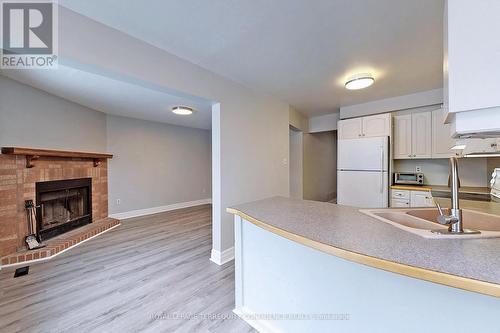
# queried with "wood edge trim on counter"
point(446, 279)
point(411, 188)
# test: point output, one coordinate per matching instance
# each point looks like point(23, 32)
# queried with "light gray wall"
point(473, 171)
point(296, 164)
point(419, 99)
point(252, 152)
point(33, 118)
point(327, 122)
point(298, 120)
point(156, 164)
point(320, 166)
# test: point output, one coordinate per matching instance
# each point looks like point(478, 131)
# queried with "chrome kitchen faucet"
point(455, 219)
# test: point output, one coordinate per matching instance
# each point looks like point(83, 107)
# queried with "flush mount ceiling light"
point(182, 110)
point(359, 81)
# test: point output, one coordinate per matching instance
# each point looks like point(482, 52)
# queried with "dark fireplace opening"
point(63, 205)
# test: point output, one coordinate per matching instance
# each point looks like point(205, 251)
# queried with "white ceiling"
point(298, 50)
point(115, 97)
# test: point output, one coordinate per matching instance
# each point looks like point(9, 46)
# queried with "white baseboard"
point(220, 258)
point(262, 326)
point(160, 209)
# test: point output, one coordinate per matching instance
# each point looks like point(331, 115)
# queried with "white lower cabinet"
point(400, 203)
point(407, 198)
point(421, 199)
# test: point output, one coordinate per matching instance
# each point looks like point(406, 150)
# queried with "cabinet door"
point(421, 135)
point(441, 136)
point(379, 125)
point(421, 199)
point(400, 203)
point(402, 136)
point(349, 128)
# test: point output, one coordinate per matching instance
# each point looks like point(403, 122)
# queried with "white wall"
point(253, 151)
point(33, 118)
point(320, 166)
point(156, 164)
point(472, 171)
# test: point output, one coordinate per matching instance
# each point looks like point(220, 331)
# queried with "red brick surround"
point(17, 184)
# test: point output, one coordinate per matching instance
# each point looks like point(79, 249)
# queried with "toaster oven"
point(409, 178)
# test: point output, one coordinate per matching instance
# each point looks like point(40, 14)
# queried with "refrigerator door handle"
point(381, 169)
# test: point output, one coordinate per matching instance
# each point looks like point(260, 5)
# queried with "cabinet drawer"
point(401, 203)
point(400, 194)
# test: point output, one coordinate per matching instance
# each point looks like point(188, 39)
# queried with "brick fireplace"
point(65, 185)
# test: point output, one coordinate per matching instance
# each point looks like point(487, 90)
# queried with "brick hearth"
point(17, 184)
point(62, 242)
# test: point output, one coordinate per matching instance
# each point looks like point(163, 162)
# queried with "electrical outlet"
point(418, 168)
point(118, 201)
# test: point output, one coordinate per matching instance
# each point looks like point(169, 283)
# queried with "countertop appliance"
point(363, 172)
point(409, 178)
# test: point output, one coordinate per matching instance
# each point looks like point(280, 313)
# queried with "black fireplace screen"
point(63, 205)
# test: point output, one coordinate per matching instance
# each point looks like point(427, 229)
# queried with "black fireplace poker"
point(32, 241)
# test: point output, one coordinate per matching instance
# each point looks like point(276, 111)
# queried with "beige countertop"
point(470, 264)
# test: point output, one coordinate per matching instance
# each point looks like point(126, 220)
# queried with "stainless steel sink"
point(422, 221)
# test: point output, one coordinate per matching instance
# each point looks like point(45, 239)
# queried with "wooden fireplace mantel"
point(33, 154)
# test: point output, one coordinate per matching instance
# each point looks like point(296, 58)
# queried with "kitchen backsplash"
point(473, 171)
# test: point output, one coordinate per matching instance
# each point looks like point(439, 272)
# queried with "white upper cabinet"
point(365, 127)
point(350, 128)
point(402, 136)
point(413, 135)
point(442, 142)
point(421, 135)
point(378, 125)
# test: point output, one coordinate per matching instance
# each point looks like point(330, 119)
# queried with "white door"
point(402, 137)
point(441, 136)
point(421, 199)
point(363, 189)
point(363, 154)
point(378, 125)
point(421, 134)
point(349, 128)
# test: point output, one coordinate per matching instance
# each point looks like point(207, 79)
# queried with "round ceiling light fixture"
point(182, 110)
point(359, 81)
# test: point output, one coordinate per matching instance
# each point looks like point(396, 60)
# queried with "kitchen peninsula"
point(311, 258)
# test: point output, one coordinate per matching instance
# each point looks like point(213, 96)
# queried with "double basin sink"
point(421, 221)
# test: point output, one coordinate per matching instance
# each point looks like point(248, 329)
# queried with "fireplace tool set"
point(32, 240)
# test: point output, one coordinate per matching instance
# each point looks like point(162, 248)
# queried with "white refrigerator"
point(363, 172)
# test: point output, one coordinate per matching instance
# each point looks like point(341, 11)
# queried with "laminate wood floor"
point(151, 274)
